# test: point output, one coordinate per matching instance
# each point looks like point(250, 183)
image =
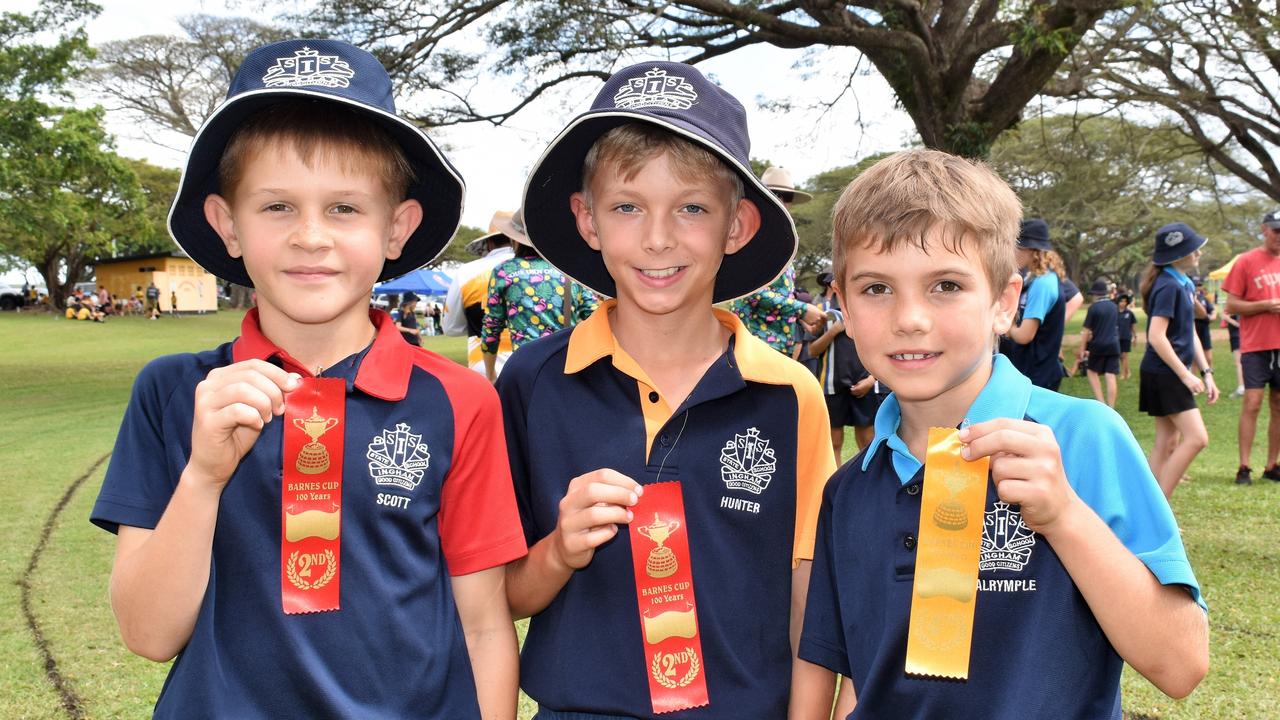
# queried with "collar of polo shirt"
point(384, 372)
point(1006, 394)
point(593, 339)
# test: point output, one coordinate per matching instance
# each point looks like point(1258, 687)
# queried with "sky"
point(494, 160)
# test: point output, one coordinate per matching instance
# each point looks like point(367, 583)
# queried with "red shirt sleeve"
point(479, 524)
point(1234, 284)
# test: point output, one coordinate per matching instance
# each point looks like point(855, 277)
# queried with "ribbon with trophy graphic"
point(668, 609)
point(945, 590)
point(311, 498)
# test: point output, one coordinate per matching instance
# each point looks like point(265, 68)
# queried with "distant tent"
point(1221, 273)
point(421, 281)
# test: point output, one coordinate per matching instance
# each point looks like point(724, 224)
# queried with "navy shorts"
point(1202, 332)
point(846, 410)
point(1103, 364)
point(1161, 394)
point(1261, 368)
point(1233, 335)
point(1126, 345)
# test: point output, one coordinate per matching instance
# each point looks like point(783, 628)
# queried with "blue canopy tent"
point(421, 281)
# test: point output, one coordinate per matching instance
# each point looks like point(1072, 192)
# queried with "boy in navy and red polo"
point(740, 426)
point(1081, 567)
point(359, 574)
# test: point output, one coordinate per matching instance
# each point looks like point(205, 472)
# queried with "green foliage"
point(1105, 185)
point(813, 219)
point(68, 196)
point(969, 139)
point(159, 185)
point(1029, 36)
point(456, 252)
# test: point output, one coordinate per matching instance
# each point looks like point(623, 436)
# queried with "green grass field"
point(65, 385)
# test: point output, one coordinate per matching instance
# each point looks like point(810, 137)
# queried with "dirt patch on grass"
point(71, 702)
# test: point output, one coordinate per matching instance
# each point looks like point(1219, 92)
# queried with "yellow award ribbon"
point(945, 590)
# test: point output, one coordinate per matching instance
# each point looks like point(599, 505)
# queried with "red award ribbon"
point(311, 497)
point(668, 610)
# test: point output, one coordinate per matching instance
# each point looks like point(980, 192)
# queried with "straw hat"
point(778, 179)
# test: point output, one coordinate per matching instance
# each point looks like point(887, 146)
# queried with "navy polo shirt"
point(1038, 651)
point(1103, 321)
point(575, 402)
point(1125, 325)
point(1171, 297)
point(395, 648)
point(1041, 300)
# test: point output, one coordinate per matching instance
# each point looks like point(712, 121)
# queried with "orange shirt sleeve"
point(815, 462)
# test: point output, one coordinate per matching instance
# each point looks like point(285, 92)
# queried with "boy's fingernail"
point(634, 498)
point(630, 516)
point(964, 432)
point(639, 490)
point(965, 452)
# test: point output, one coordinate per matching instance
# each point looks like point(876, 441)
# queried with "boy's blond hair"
point(313, 130)
point(904, 197)
point(626, 148)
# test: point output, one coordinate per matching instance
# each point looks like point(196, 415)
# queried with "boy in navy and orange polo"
point(314, 518)
point(1007, 569)
point(671, 521)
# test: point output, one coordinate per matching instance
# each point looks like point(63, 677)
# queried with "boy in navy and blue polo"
point(1081, 567)
point(667, 219)
point(404, 485)
point(1101, 339)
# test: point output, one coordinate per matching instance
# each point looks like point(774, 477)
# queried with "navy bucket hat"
point(677, 98)
point(1174, 242)
point(325, 71)
point(1034, 235)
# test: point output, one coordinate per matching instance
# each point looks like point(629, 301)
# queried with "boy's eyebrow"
point(963, 270)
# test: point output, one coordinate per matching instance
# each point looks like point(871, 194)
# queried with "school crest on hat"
point(656, 89)
point(309, 67)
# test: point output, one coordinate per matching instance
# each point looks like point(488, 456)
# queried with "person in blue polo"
point(1034, 343)
point(1168, 382)
point(649, 199)
point(315, 517)
point(1100, 337)
point(1080, 569)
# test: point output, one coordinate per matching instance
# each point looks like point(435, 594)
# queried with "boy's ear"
point(1007, 304)
point(405, 218)
point(746, 222)
point(582, 216)
point(217, 212)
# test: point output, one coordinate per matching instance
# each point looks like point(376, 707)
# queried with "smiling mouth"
point(660, 274)
point(913, 356)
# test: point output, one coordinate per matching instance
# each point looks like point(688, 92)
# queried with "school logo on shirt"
point(656, 89)
point(398, 458)
point(1006, 540)
point(747, 462)
point(309, 67)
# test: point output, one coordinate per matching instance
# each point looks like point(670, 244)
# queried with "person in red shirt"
point(1253, 293)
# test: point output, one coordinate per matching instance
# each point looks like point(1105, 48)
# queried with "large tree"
point(1212, 66)
point(962, 69)
point(1105, 185)
point(67, 195)
point(173, 82)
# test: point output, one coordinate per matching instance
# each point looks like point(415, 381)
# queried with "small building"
point(172, 271)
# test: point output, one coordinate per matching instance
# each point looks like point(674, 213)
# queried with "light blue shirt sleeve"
point(1108, 471)
point(1041, 296)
